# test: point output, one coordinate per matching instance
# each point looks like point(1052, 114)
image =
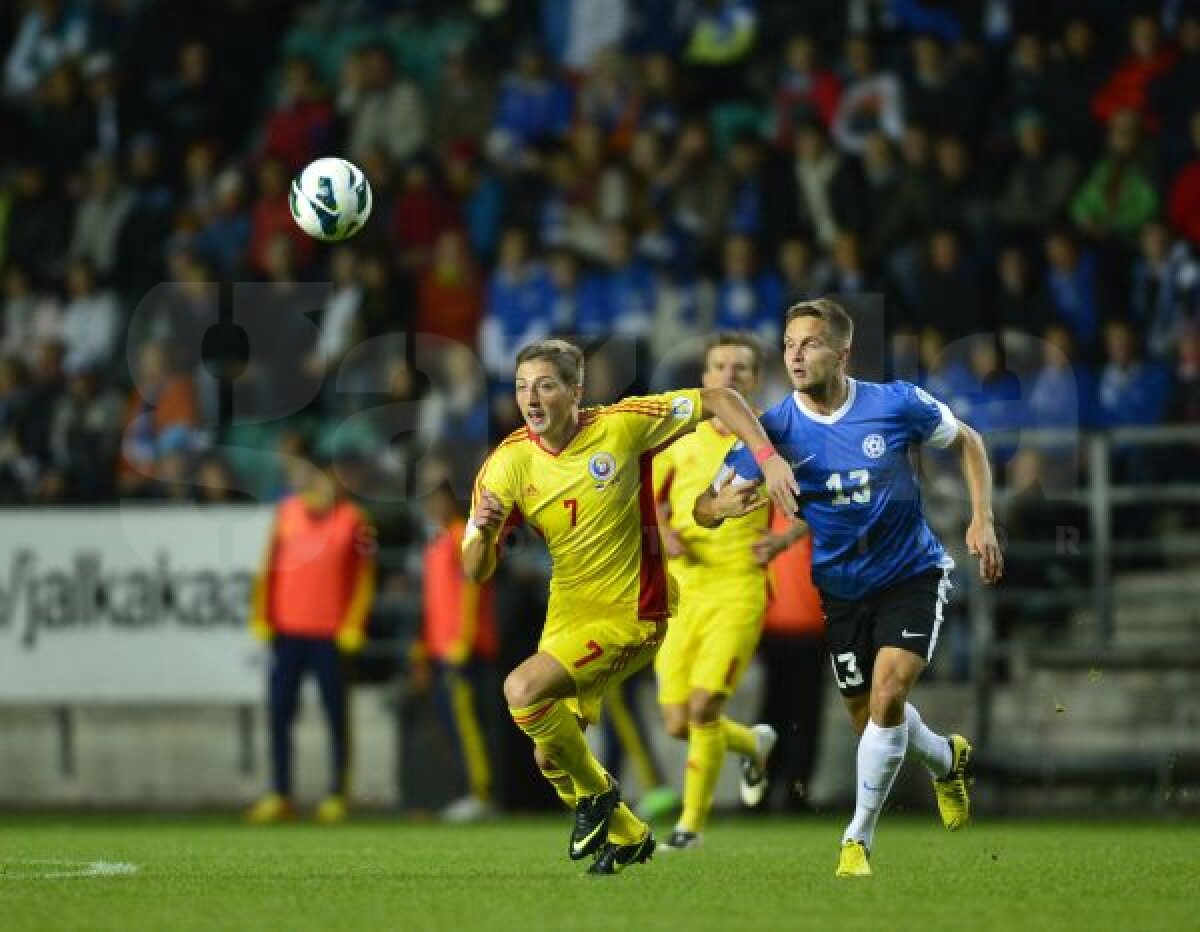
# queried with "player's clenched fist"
point(488, 514)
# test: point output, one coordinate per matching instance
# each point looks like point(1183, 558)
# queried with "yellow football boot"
point(854, 861)
point(331, 811)
point(270, 809)
point(954, 803)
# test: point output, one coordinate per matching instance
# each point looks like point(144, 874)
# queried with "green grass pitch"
point(59, 872)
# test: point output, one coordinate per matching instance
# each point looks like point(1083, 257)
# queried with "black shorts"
point(906, 615)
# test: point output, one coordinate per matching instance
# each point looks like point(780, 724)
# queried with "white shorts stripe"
point(939, 608)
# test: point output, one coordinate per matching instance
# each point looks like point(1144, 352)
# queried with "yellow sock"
point(706, 752)
point(563, 785)
point(739, 739)
point(555, 731)
point(626, 828)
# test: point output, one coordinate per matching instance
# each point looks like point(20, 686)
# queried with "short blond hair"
point(841, 326)
point(566, 357)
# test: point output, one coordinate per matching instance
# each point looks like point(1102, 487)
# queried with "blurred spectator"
point(301, 125)
point(92, 322)
point(871, 187)
point(17, 470)
point(1014, 301)
point(1063, 392)
point(339, 322)
point(937, 93)
point(802, 196)
point(462, 106)
point(1172, 95)
point(421, 213)
point(31, 317)
point(805, 91)
point(100, 215)
point(381, 108)
point(607, 98)
point(1126, 87)
point(85, 431)
point(1118, 195)
point(1074, 79)
point(908, 212)
point(747, 299)
point(160, 415)
point(943, 373)
point(1131, 390)
point(38, 222)
point(456, 654)
point(871, 100)
point(516, 310)
point(1184, 204)
point(450, 292)
point(140, 244)
point(1166, 290)
point(849, 273)
point(271, 218)
point(1071, 287)
point(945, 291)
point(658, 104)
point(1028, 79)
point(1039, 183)
point(225, 235)
point(565, 290)
point(481, 196)
point(532, 106)
point(958, 199)
point(196, 102)
point(111, 108)
point(620, 299)
point(61, 127)
point(802, 275)
point(698, 185)
point(1185, 402)
point(747, 191)
point(50, 32)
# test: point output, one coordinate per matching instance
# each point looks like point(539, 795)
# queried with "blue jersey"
point(859, 494)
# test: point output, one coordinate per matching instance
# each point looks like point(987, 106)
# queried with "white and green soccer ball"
point(330, 199)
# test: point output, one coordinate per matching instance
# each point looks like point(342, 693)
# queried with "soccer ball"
point(330, 199)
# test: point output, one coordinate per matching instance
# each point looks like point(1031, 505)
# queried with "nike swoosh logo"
point(580, 845)
point(798, 463)
point(911, 634)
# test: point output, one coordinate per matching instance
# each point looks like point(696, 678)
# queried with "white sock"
point(926, 745)
point(880, 754)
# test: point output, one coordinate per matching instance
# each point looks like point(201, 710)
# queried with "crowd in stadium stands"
point(1021, 181)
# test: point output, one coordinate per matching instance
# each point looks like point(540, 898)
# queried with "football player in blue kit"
point(882, 574)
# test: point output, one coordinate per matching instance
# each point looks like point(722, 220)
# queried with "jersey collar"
point(851, 392)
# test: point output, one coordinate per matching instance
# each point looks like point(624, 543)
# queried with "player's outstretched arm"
point(479, 541)
point(981, 532)
point(740, 418)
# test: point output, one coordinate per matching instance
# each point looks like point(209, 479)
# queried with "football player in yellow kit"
point(582, 478)
point(722, 580)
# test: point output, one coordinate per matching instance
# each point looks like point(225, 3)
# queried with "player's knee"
point(888, 697)
point(545, 762)
point(677, 726)
point(520, 690)
point(704, 707)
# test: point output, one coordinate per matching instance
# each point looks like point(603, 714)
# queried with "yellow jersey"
point(593, 502)
point(717, 558)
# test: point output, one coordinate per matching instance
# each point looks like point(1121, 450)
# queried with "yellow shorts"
point(599, 652)
point(709, 644)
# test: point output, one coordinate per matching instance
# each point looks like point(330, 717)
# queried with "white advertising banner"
point(129, 604)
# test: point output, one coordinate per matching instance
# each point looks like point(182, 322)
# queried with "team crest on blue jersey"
point(874, 446)
point(603, 468)
point(681, 408)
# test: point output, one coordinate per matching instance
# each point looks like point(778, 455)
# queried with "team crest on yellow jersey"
point(603, 468)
